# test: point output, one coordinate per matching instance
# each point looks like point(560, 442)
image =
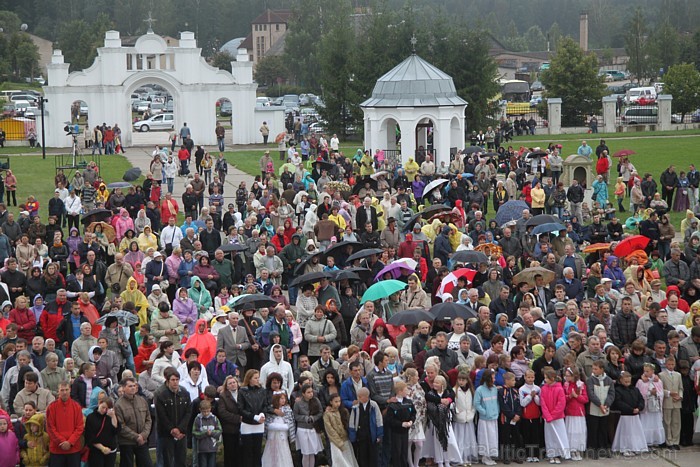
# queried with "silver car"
point(164, 121)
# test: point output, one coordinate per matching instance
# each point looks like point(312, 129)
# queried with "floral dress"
point(417, 395)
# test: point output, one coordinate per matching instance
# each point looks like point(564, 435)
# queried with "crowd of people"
point(348, 311)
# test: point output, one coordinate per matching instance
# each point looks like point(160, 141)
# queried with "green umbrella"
point(382, 289)
point(292, 168)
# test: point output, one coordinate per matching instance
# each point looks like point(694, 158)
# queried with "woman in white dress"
point(335, 421)
point(439, 413)
point(630, 403)
point(652, 390)
point(486, 403)
point(280, 432)
point(307, 412)
point(553, 403)
point(416, 434)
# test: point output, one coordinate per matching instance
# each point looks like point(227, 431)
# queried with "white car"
point(157, 122)
point(262, 102)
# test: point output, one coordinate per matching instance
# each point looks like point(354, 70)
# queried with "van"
point(635, 94)
point(640, 115)
point(21, 107)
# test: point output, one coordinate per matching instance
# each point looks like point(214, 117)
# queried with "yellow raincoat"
point(411, 169)
point(147, 240)
point(366, 165)
point(381, 222)
point(134, 295)
point(455, 237)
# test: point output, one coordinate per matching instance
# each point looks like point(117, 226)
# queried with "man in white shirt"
point(73, 208)
point(278, 365)
point(170, 236)
point(335, 143)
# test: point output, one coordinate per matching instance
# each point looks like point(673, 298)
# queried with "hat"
point(24, 213)
point(220, 314)
point(560, 305)
point(655, 282)
point(56, 190)
point(155, 287)
point(164, 339)
point(695, 331)
point(157, 254)
point(605, 280)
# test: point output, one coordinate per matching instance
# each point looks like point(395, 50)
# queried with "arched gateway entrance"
point(110, 87)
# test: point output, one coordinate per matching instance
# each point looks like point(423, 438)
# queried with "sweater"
point(486, 402)
point(64, 422)
point(206, 443)
point(575, 406)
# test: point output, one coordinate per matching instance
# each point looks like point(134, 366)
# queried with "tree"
point(535, 39)
point(79, 40)
point(640, 63)
point(221, 60)
point(573, 77)
point(665, 45)
point(24, 56)
point(683, 83)
point(270, 69)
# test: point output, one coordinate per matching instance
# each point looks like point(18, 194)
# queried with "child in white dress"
point(652, 390)
point(280, 430)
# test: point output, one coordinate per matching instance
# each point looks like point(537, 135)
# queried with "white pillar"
point(664, 101)
point(441, 140)
point(554, 115)
point(408, 139)
point(609, 106)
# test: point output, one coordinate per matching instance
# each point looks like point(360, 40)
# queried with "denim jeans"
point(220, 141)
point(170, 184)
point(173, 450)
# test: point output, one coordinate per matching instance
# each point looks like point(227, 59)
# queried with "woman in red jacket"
point(379, 333)
point(24, 318)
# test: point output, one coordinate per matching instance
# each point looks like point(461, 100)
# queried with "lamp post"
point(42, 101)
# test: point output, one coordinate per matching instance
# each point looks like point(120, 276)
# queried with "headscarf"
point(204, 342)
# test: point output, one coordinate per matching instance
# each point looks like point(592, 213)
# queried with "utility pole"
point(42, 101)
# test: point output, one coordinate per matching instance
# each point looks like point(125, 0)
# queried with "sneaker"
point(528, 460)
point(535, 459)
point(557, 460)
point(552, 460)
point(628, 454)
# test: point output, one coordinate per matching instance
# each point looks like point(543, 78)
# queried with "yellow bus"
point(517, 95)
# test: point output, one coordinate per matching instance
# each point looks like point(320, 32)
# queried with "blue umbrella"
point(510, 211)
point(547, 228)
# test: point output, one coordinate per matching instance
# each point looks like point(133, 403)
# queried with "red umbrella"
point(630, 244)
point(280, 137)
point(624, 153)
point(449, 282)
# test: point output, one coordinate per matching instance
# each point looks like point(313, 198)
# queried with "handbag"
point(333, 344)
point(164, 284)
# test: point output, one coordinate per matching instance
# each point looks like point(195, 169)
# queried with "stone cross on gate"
point(414, 41)
point(150, 20)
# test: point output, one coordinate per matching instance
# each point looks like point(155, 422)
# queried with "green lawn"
point(35, 176)
point(596, 137)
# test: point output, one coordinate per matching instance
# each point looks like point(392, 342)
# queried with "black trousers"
point(510, 440)
point(687, 428)
point(598, 433)
point(99, 459)
point(532, 432)
point(251, 450)
point(73, 221)
point(399, 448)
point(231, 447)
point(128, 452)
point(64, 460)
point(365, 452)
point(173, 451)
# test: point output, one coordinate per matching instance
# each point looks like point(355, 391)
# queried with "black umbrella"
point(410, 317)
point(473, 149)
point(344, 274)
point(536, 154)
point(469, 256)
point(310, 278)
point(408, 226)
point(541, 219)
point(361, 184)
point(364, 254)
point(356, 246)
point(229, 247)
point(324, 165)
point(451, 310)
point(257, 300)
point(364, 273)
point(304, 261)
point(96, 215)
point(435, 209)
point(132, 174)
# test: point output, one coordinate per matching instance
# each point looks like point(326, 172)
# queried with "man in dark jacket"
point(648, 189)
point(366, 213)
point(623, 330)
point(219, 368)
point(669, 181)
point(443, 248)
point(659, 330)
point(173, 409)
point(68, 324)
point(448, 358)
point(224, 267)
point(650, 229)
point(210, 238)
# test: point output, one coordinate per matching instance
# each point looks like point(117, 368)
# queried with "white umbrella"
point(376, 175)
point(411, 263)
point(435, 184)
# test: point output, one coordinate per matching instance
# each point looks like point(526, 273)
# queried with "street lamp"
point(42, 101)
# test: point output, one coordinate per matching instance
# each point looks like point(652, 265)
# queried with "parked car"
point(31, 112)
point(140, 106)
point(535, 101)
point(307, 99)
point(640, 115)
point(169, 106)
point(262, 102)
point(537, 86)
point(165, 121)
point(157, 108)
point(226, 109)
point(616, 75)
point(317, 128)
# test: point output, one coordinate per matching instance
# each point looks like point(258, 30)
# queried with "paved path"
point(141, 157)
point(686, 457)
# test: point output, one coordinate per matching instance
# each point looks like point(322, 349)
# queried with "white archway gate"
point(119, 70)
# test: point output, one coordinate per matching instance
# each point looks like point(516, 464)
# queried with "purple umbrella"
point(394, 269)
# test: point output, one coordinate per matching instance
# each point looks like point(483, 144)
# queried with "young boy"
point(207, 432)
point(365, 429)
point(400, 416)
point(511, 413)
point(531, 423)
point(673, 400)
point(690, 404)
point(601, 395)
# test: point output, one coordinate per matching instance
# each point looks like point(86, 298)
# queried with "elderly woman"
point(116, 339)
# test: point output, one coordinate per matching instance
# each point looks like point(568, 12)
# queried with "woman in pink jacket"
point(553, 404)
point(576, 400)
point(122, 223)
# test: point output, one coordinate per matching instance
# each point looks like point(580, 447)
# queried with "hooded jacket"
point(8, 446)
point(200, 297)
point(25, 319)
point(282, 367)
point(204, 342)
point(38, 456)
point(134, 295)
point(186, 310)
point(122, 223)
point(371, 343)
